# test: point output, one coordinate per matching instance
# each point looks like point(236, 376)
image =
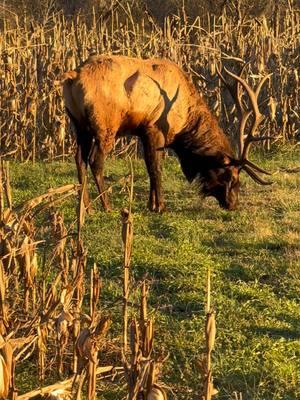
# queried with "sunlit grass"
point(254, 254)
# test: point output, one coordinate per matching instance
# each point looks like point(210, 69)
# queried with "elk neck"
point(202, 147)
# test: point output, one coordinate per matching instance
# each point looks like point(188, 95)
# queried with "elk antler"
point(245, 141)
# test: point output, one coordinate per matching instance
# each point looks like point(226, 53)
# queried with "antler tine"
point(236, 95)
point(259, 86)
point(254, 166)
point(258, 117)
point(252, 95)
point(255, 177)
point(245, 144)
point(234, 89)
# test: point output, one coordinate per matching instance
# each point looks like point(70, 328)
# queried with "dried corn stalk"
point(141, 371)
point(3, 306)
point(63, 324)
point(210, 333)
point(96, 286)
point(88, 344)
point(27, 260)
point(8, 347)
point(127, 238)
point(6, 365)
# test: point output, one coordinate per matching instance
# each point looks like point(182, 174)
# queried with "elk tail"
point(69, 76)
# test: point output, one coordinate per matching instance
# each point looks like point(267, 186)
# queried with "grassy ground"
point(254, 254)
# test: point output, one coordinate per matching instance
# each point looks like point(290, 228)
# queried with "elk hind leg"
point(82, 154)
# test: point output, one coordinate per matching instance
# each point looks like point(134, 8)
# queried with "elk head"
point(221, 181)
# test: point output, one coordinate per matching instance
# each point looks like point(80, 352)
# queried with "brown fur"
point(111, 96)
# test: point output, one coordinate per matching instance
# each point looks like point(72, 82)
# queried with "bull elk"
point(111, 96)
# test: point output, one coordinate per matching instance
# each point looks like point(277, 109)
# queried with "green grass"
point(254, 254)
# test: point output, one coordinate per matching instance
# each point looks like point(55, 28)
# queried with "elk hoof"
point(159, 208)
point(107, 208)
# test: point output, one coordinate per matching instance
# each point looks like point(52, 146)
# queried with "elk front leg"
point(96, 162)
point(153, 140)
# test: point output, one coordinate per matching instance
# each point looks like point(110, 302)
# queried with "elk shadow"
point(162, 122)
point(289, 333)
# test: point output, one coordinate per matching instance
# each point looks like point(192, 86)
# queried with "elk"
point(111, 96)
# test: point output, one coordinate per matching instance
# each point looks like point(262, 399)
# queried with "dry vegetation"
point(33, 57)
point(50, 312)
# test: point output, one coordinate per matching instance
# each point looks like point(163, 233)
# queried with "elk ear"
point(227, 160)
point(224, 159)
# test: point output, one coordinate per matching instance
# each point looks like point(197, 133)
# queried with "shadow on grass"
point(246, 383)
point(230, 246)
point(160, 229)
point(275, 333)
point(237, 272)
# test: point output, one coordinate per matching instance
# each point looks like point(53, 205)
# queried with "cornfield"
point(50, 310)
point(34, 57)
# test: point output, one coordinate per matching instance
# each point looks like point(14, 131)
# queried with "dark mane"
point(202, 147)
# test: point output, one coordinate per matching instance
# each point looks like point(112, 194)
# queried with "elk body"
point(111, 96)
